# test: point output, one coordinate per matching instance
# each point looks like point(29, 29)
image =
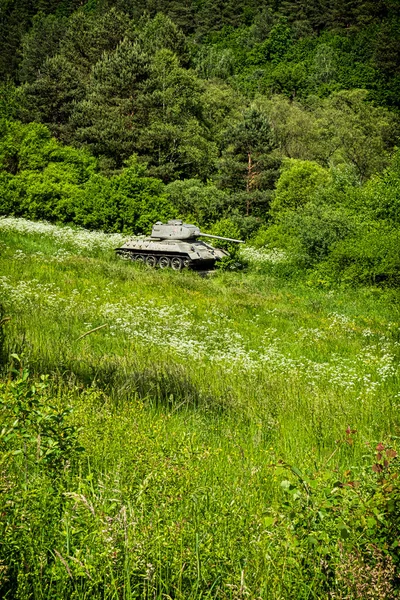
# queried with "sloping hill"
point(221, 439)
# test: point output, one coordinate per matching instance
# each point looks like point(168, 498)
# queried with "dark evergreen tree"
point(51, 98)
point(212, 15)
point(245, 163)
point(307, 16)
point(42, 42)
point(342, 14)
point(107, 120)
point(181, 12)
point(61, 80)
point(161, 32)
point(173, 137)
point(90, 34)
point(368, 11)
point(15, 20)
point(387, 49)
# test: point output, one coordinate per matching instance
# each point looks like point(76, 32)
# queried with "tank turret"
point(177, 230)
point(174, 244)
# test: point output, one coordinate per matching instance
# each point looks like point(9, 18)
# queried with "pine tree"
point(173, 137)
point(248, 143)
point(40, 43)
point(51, 98)
point(342, 14)
point(15, 21)
point(106, 119)
point(162, 32)
point(15, 18)
point(61, 80)
point(306, 15)
point(90, 34)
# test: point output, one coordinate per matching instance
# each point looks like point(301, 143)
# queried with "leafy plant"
point(34, 429)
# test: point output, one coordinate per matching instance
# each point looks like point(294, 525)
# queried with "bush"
point(247, 226)
point(227, 228)
point(308, 234)
point(297, 184)
point(42, 179)
point(381, 196)
point(370, 256)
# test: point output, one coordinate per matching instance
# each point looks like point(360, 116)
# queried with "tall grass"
point(218, 417)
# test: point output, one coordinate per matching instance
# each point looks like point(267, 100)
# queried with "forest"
point(171, 436)
point(275, 121)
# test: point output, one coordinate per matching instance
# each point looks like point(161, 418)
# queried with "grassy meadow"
point(225, 437)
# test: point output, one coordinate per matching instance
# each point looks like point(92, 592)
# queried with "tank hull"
point(176, 254)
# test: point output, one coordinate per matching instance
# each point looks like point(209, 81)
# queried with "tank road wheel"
point(186, 262)
point(151, 261)
point(176, 263)
point(138, 258)
point(163, 263)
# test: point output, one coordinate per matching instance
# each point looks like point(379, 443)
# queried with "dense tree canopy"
point(277, 112)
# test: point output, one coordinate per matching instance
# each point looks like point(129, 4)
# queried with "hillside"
point(194, 437)
point(241, 117)
point(165, 435)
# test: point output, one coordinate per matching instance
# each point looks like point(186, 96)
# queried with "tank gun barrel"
point(218, 237)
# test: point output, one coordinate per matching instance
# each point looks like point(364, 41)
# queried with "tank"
point(174, 245)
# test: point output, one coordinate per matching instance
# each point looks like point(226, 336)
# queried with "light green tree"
point(298, 182)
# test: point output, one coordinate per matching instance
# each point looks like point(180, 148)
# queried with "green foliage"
point(43, 179)
point(380, 198)
point(40, 43)
point(174, 139)
point(311, 232)
point(161, 32)
point(365, 133)
point(33, 429)
point(371, 256)
point(343, 129)
point(51, 98)
point(103, 119)
point(227, 228)
point(140, 200)
point(327, 222)
point(299, 181)
point(4, 319)
point(31, 148)
point(359, 514)
point(194, 200)
point(247, 165)
point(283, 394)
point(9, 104)
point(212, 62)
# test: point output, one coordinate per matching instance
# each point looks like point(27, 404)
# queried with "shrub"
point(370, 256)
point(297, 184)
point(227, 228)
point(42, 179)
point(307, 234)
point(381, 196)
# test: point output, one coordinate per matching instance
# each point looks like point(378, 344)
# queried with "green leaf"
point(286, 485)
point(344, 532)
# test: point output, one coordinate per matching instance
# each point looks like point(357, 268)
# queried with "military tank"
point(174, 245)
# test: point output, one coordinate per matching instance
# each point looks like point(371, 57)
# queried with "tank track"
point(177, 262)
point(162, 260)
